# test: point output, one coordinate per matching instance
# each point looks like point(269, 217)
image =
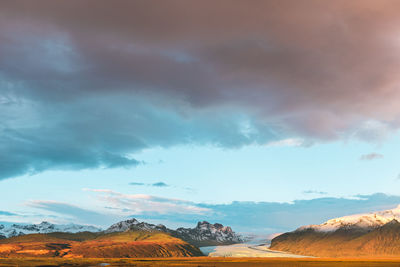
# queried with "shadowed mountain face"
point(206, 234)
point(97, 245)
point(346, 241)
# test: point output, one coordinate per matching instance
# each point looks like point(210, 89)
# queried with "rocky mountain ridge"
point(365, 221)
point(15, 229)
point(204, 234)
point(133, 224)
point(375, 234)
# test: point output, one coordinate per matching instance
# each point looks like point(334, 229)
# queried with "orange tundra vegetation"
point(97, 245)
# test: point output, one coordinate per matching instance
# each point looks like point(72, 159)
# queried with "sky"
point(264, 117)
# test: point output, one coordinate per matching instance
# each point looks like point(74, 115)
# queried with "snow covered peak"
point(213, 228)
point(17, 229)
point(122, 226)
point(134, 224)
point(363, 221)
point(204, 232)
point(207, 231)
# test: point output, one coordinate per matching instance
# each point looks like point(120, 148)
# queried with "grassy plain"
point(201, 261)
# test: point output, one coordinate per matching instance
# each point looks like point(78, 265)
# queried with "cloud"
point(288, 142)
point(7, 213)
point(77, 214)
point(78, 91)
point(159, 184)
point(244, 216)
point(314, 192)
point(35, 217)
point(273, 217)
point(139, 204)
point(269, 217)
point(371, 156)
point(133, 183)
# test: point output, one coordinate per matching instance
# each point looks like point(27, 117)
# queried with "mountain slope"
point(97, 245)
point(12, 230)
point(363, 235)
point(133, 224)
point(363, 221)
point(204, 234)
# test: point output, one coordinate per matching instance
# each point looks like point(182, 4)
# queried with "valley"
point(201, 261)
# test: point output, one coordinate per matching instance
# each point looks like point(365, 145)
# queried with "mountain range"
point(363, 221)
point(204, 234)
point(129, 238)
point(375, 234)
point(16, 229)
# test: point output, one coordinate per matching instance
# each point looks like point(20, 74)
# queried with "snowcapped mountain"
point(134, 224)
point(43, 227)
point(375, 234)
point(204, 234)
point(361, 221)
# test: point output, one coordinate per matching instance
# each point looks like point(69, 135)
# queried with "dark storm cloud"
point(85, 84)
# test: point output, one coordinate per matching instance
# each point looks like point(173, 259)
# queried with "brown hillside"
point(383, 241)
point(89, 245)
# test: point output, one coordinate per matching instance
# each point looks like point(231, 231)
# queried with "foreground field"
point(129, 244)
point(201, 261)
